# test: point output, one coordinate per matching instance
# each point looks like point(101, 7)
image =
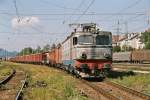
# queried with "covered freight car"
point(31, 58)
point(122, 57)
point(53, 57)
point(141, 56)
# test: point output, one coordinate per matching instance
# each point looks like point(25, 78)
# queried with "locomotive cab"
point(90, 51)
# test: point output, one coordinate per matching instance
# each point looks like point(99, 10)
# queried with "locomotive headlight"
point(83, 54)
point(107, 55)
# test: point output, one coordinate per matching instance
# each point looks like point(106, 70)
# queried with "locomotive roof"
point(80, 32)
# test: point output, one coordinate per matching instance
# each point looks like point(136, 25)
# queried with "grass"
point(48, 83)
point(4, 71)
point(139, 82)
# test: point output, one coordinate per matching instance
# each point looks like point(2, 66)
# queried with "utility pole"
point(148, 12)
point(118, 30)
point(126, 27)
point(118, 27)
point(5, 54)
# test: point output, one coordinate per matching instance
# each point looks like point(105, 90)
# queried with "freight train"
point(139, 56)
point(87, 53)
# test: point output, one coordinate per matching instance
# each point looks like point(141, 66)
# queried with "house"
point(115, 39)
point(118, 40)
point(134, 40)
point(148, 30)
point(129, 40)
point(123, 41)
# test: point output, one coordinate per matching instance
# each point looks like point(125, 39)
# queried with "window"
point(85, 39)
point(75, 40)
point(102, 40)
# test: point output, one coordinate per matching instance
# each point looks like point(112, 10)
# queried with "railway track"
point(114, 91)
point(129, 90)
point(20, 92)
point(132, 64)
point(137, 68)
point(12, 86)
point(100, 91)
point(5, 80)
point(135, 71)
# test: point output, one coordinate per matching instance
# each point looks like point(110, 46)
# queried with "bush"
point(145, 38)
point(116, 49)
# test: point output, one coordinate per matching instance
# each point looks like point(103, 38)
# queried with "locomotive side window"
point(75, 40)
point(102, 40)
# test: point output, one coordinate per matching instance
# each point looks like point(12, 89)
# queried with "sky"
point(32, 23)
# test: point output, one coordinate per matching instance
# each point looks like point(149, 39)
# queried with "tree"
point(53, 46)
point(116, 49)
point(127, 48)
point(46, 48)
point(145, 38)
point(25, 51)
point(38, 49)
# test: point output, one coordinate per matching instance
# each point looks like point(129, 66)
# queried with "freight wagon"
point(122, 57)
point(139, 56)
point(32, 58)
point(87, 52)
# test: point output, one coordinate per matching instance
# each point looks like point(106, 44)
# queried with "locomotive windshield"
point(92, 40)
point(102, 40)
point(85, 39)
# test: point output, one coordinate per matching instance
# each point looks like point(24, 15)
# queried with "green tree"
point(46, 48)
point(25, 51)
point(53, 46)
point(38, 49)
point(127, 48)
point(116, 49)
point(145, 38)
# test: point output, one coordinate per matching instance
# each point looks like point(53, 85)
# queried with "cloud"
point(24, 22)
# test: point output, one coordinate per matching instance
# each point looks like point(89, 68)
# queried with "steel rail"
point(94, 87)
point(20, 92)
point(4, 81)
point(129, 90)
point(131, 64)
point(100, 90)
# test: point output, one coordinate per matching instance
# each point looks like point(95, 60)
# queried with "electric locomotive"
point(87, 52)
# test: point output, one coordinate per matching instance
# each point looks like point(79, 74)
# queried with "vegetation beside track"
point(139, 82)
point(48, 83)
point(4, 71)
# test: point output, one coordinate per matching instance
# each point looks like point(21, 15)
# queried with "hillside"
point(4, 53)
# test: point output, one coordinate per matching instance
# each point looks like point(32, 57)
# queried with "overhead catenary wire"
point(131, 19)
point(78, 8)
point(84, 12)
point(59, 6)
point(131, 6)
point(128, 7)
point(81, 14)
point(139, 28)
point(16, 9)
